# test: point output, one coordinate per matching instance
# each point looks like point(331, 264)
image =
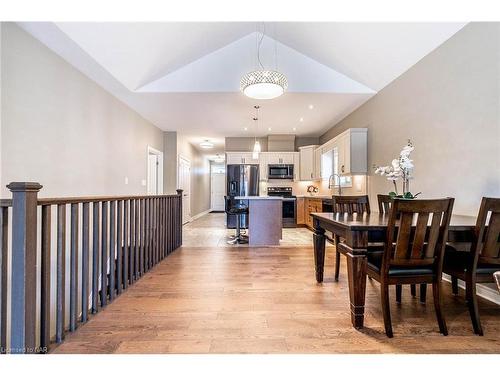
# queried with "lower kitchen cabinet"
point(301, 220)
point(304, 208)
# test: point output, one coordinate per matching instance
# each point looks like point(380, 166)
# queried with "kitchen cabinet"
point(306, 170)
point(352, 151)
point(312, 205)
point(296, 166)
point(317, 164)
point(263, 161)
point(280, 157)
point(301, 220)
point(240, 158)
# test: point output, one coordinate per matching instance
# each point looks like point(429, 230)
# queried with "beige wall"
point(448, 104)
point(200, 175)
point(170, 162)
point(61, 129)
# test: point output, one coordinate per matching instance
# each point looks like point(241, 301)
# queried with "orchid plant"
point(400, 168)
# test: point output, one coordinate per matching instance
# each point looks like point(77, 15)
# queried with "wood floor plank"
point(266, 300)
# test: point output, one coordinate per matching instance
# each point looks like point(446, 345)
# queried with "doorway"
point(155, 172)
point(217, 187)
point(185, 185)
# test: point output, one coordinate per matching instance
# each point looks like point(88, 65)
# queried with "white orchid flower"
point(407, 164)
point(407, 150)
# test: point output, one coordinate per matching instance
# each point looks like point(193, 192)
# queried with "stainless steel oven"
point(289, 210)
point(280, 172)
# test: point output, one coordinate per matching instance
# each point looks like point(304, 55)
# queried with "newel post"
point(24, 285)
point(180, 218)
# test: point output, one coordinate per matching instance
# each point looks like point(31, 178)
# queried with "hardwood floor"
point(266, 300)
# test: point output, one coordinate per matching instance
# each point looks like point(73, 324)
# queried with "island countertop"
point(256, 197)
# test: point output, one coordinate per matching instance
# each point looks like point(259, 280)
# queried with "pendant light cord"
point(260, 43)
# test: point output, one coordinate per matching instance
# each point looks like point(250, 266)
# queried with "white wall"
point(448, 104)
point(61, 129)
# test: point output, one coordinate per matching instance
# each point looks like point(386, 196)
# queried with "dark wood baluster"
point(119, 247)
point(61, 272)
point(4, 248)
point(45, 280)
point(85, 260)
point(132, 241)
point(152, 232)
point(141, 231)
point(146, 231)
point(73, 267)
point(155, 230)
point(95, 257)
point(104, 254)
point(170, 224)
point(162, 227)
point(112, 248)
point(126, 244)
point(137, 242)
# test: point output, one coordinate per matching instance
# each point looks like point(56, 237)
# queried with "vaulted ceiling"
point(185, 76)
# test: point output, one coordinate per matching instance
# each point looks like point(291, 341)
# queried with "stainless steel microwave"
point(280, 171)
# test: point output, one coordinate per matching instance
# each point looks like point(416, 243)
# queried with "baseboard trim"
point(483, 291)
point(195, 217)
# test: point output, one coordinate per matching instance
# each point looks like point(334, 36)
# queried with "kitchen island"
point(264, 220)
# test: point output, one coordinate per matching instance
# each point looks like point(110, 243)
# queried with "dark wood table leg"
point(319, 251)
point(356, 274)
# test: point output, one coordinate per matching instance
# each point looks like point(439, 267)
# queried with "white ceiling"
point(185, 76)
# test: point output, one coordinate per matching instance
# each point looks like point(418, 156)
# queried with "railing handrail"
point(89, 199)
point(5, 202)
point(120, 239)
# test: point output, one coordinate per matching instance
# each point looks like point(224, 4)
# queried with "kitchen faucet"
point(331, 183)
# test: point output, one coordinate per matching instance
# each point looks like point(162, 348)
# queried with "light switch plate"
point(143, 182)
point(126, 180)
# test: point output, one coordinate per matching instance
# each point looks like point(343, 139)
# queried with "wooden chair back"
point(486, 246)
point(351, 203)
point(384, 203)
point(411, 241)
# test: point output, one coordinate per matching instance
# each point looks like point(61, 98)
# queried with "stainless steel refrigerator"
point(242, 179)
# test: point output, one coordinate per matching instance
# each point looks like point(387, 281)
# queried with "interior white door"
point(218, 184)
point(185, 185)
point(153, 174)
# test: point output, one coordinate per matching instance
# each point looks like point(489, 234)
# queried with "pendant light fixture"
point(256, 146)
point(264, 83)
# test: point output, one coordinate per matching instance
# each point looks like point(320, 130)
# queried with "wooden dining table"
point(358, 231)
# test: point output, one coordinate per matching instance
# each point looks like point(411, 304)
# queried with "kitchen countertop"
point(254, 197)
point(314, 196)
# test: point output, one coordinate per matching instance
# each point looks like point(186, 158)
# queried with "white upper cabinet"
point(345, 154)
point(240, 158)
point(280, 157)
point(353, 151)
point(307, 163)
point(263, 157)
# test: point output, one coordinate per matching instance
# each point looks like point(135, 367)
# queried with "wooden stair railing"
point(117, 239)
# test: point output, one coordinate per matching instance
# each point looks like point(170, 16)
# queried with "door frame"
point(211, 186)
point(187, 160)
point(153, 151)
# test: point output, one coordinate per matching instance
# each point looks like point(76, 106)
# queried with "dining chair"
point(480, 263)
point(413, 251)
point(347, 204)
point(384, 206)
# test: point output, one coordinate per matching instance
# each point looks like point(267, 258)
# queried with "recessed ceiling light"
point(311, 106)
point(269, 129)
point(294, 129)
point(301, 119)
point(206, 144)
point(245, 129)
